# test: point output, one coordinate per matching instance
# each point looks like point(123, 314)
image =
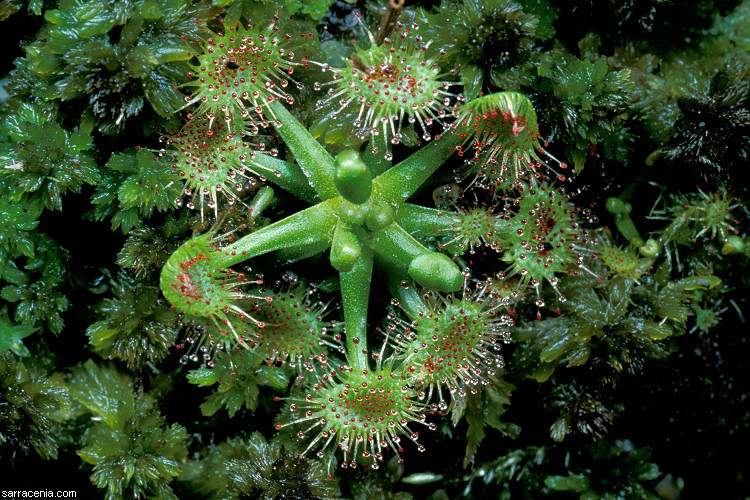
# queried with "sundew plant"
point(374, 249)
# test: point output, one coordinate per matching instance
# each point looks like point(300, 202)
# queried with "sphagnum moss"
point(456, 281)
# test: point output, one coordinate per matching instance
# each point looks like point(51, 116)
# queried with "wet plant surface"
point(375, 249)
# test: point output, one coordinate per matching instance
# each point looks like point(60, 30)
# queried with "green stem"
point(355, 295)
point(396, 245)
point(398, 184)
point(621, 212)
point(312, 226)
point(423, 221)
point(430, 269)
point(409, 300)
point(313, 159)
point(399, 285)
point(286, 175)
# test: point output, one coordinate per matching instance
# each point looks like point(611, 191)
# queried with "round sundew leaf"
point(620, 262)
point(212, 159)
point(388, 90)
point(294, 330)
point(352, 407)
point(195, 282)
point(505, 140)
point(450, 341)
point(253, 63)
point(187, 282)
point(545, 234)
point(475, 227)
point(515, 104)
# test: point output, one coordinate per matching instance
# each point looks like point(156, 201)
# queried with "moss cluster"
point(265, 249)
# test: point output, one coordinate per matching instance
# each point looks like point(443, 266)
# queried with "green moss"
point(421, 268)
point(29, 401)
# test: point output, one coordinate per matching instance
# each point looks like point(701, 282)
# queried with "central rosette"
point(362, 216)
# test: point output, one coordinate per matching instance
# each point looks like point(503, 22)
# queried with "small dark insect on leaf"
point(232, 65)
point(547, 246)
